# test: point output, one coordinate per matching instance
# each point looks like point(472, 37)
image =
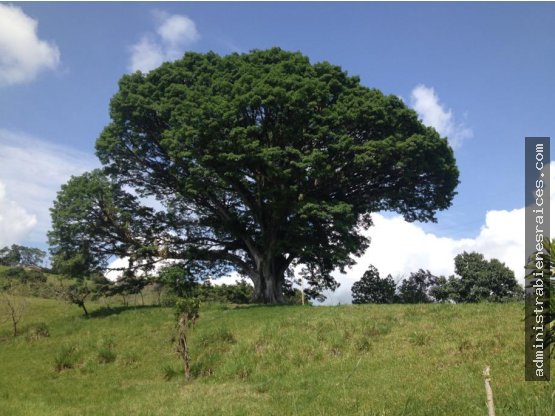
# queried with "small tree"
point(371, 289)
point(187, 312)
point(179, 279)
point(417, 288)
point(13, 307)
point(76, 294)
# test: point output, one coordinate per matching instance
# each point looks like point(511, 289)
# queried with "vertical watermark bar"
point(536, 188)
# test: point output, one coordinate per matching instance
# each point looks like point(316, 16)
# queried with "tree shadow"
point(116, 310)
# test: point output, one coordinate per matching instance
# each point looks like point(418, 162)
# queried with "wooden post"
point(489, 392)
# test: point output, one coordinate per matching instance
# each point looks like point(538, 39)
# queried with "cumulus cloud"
point(15, 222)
point(174, 34)
point(177, 30)
point(146, 54)
point(433, 113)
point(22, 54)
point(32, 171)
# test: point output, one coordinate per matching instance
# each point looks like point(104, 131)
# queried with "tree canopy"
point(482, 279)
point(417, 288)
point(17, 255)
point(260, 162)
point(372, 289)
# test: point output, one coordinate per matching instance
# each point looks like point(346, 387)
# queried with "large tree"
point(262, 162)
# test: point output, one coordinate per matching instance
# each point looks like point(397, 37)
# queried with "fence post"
point(489, 392)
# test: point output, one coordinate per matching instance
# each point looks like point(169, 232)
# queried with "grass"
point(350, 360)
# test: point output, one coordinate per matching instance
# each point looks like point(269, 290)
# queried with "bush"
point(40, 331)
point(23, 275)
point(106, 352)
point(106, 355)
point(66, 358)
point(169, 372)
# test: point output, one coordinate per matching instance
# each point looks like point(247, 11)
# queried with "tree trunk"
point(268, 282)
point(84, 309)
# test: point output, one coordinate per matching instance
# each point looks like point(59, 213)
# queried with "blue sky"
point(481, 73)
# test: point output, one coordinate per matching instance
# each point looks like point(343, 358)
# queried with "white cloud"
point(177, 31)
point(15, 222)
point(146, 55)
point(174, 34)
point(432, 112)
point(22, 54)
point(32, 171)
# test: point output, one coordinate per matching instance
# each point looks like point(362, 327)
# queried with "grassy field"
point(343, 360)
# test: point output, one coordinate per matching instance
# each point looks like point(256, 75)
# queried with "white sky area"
point(22, 54)
point(173, 35)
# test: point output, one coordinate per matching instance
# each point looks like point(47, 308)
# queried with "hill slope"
point(349, 360)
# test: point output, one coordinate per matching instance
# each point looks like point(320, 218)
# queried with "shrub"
point(106, 352)
point(40, 331)
point(24, 275)
point(419, 339)
point(66, 358)
point(169, 372)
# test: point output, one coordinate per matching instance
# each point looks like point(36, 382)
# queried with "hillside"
point(352, 360)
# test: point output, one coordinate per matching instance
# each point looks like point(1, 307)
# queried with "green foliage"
point(17, 255)
point(40, 330)
point(77, 294)
point(445, 290)
point(66, 358)
point(94, 219)
point(169, 372)
point(372, 289)
point(482, 279)
point(106, 353)
point(23, 275)
point(188, 307)
point(417, 288)
point(419, 338)
point(178, 279)
point(262, 161)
